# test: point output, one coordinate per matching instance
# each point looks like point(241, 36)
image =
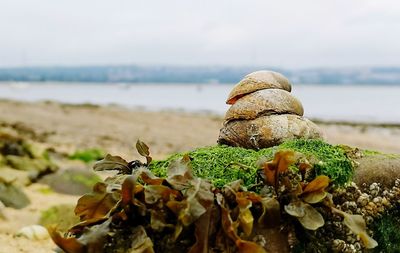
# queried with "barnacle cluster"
point(372, 202)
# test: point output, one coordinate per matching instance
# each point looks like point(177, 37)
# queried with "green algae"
point(87, 155)
point(223, 164)
point(333, 161)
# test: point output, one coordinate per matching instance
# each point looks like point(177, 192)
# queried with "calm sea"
point(327, 102)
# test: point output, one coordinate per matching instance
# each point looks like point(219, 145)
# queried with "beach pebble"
point(258, 80)
point(264, 102)
point(33, 232)
point(267, 131)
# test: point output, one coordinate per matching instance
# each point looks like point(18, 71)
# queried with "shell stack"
point(264, 113)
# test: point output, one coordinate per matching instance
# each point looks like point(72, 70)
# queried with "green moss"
point(386, 233)
point(224, 164)
point(220, 164)
point(87, 155)
point(87, 180)
point(333, 160)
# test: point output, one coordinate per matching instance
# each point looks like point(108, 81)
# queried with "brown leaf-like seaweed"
point(271, 214)
point(141, 243)
point(245, 218)
point(154, 193)
point(143, 150)
point(312, 219)
point(69, 245)
point(91, 241)
point(97, 204)
point(314, 192)
point(205, 226)
point(112, 163)
point(230, 229)
point(148, 177)
point(282, 160)
point(128, 190)
point(357, 225)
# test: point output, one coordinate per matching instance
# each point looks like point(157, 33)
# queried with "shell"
point(264, 102)
point(34, 232)
point(267, 131)
point(258, 80)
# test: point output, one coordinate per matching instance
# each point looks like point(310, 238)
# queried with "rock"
point(71, 181)
point(267, 131)
point(34, 232)
point(12, 196)
point(37, 167)
point(16, 177)
point(258, 80)
point(10, 144)
point(264, 102)
point(377, 168)
point(62, 216)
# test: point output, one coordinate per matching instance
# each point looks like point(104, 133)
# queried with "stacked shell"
point(264, 113)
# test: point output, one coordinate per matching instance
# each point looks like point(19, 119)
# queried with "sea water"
point(354, 103)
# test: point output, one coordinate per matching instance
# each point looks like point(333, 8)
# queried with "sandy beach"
point(114, 129)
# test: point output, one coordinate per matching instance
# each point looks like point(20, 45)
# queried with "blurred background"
point(341, 56)
point(80, 79)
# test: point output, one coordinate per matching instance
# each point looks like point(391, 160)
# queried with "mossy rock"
point(61, 215)
point(13, 196)
point(224, 164)
point(71, 181)
point(16, 177)
point(37, 167)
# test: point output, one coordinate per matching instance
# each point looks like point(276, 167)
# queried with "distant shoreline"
point(198, 74)
point(133, 83)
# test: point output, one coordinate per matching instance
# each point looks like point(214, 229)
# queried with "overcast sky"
point(289, 34)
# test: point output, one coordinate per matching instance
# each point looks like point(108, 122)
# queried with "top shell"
point(258, 80)
point(264, 102)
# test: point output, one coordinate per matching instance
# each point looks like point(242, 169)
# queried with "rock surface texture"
point(264, 113)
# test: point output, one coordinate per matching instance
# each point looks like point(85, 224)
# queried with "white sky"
point(281, 33)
